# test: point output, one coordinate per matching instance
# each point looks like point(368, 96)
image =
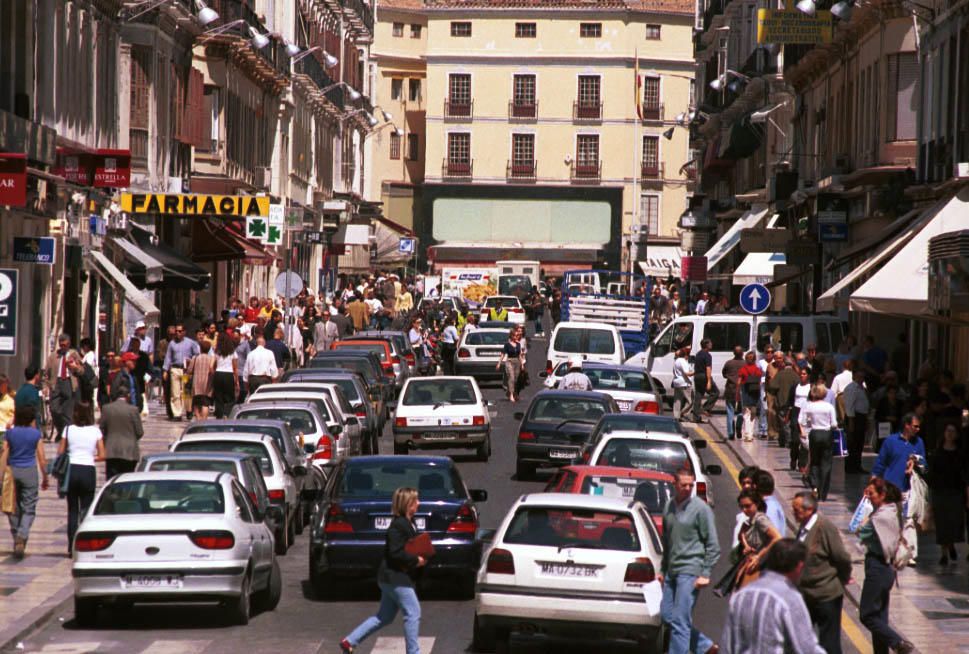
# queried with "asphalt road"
point(303, 624)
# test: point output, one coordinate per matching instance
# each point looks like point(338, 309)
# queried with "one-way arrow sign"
point(755, 298)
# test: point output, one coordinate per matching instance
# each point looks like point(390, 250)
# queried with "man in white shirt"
point(682, 386)
point(843, 378)
point(260, 365)
point(575, 380)
point(141, 333)
point(856, 407)
point(701, 305)
point(764, 364)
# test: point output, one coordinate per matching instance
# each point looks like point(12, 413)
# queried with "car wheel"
point(291, 533)
point(282, 538)
point(483, 640)
point(483, 451)
point(400, 448)
point(524, 471)
point(300, 521)
point(239, 607)
point(268, 598)
point(85, 611)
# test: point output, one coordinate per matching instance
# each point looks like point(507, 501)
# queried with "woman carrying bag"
point(757, 535)
point(396, 577)
point(748, 394)
point(23, 455)
point(83, 444)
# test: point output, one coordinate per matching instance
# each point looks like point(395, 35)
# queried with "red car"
point(650, 487)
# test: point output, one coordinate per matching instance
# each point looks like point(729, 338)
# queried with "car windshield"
point(299, 420)
point(617, 380)
point(644, 454)
point(376, 348)
point(572, 527)
point(584, 340)
point(556, 410)
point(645, 422)
point(380, 480)
point(506, 302)
point(214, 427)
point(161, 496)
point(193, 464)
point(257, 450)
point(439, 391)
point(653, 493)
point(486, 338)
point(514, 284)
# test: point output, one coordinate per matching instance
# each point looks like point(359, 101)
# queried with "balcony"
point(586, 173)
point(653, 111)
point(454, 170)
point(461, 110)
point(690, 172)
point(359, 16)
point(587, 112)
point(652, 171)
point(521, 171)
point(270, 61)
point(522, 111)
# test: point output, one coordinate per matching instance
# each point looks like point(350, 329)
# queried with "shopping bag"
point(750, 426)
point(839, 444)
point(653, 594)
point(8, 493)
point(862, 511)
point(728, 581)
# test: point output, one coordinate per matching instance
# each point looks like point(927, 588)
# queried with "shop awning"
point(661, 260)
point(901, 287)
point(731, 237)
point(758, 267)
point(218, 241)
point(254, 253)
point(352, 234)
point(387, 236)
point(111, 273)
point(178, 272)
point(135, 255)
point(875, 240)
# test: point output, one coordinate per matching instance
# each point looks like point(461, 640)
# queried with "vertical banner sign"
point(8, 311)
point(275, 225)
point(256, 228)
point(13, 179)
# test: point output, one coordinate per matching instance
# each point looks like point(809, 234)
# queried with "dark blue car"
point(351, 519)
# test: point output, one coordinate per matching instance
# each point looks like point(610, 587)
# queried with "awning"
point(352, 234)
point(901, 287)
point(253, 252)
point(877, 239)
point(731, 237)
point(387, 236)
point(135, 255)
point(743, 140)
point(178, 272)
point(110, 272)
point(223, 241)
point(758, 267)
point(662, 260)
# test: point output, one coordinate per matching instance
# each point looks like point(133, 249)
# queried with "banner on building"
point(8, 312)
point(13, 179)
point(29, 249)
point(793, 26)
point(193, 204)
point(112, 169)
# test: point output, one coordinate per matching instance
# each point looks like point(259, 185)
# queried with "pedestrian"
point(775, 366)
point(575, 379)
point(536, 303)
point(880, 535)
point(817, 421)
point(29, 392)
point(764, 484)
point(449, 345)
point(840, 383)
point(749, 385)
point(226, 381)
point(179, 352)
point(84, 445)
point(344, 326)
point(395, 577)
point(815, 364)
point(781, 388)
point(498, 312)
point(705, 393)
point(899, 457)
point(277, 345)
point(359, 312)
point(690, 550)
point(325, 333)
point(62, 383)
point(682, 395)
point(948, 485)
point(745, 479)
point(23, 454)
point(140, 371)
point(8, 406)
point(121, 428)
point(757, 534)
point(769, 616)
point(856, 407)
point(889, 410)
point(511, 362)
point(827, 570)
point(124, 379)
point(731, 392)
point(260, 366)
point(202, 369)
point(766, 372)
point(405, 300)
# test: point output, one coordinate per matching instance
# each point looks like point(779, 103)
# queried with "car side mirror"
point(713, 469)
point(258, 513)
point(699, 443)
point(519, 415)
point(543, 374)
point(479, 495)
point(299, 471)
point(336, 430)
point(352, 420)
point(485, 535)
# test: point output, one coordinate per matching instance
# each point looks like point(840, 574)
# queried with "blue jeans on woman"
point(679, 596)
point(393, 598)
point(25, 503)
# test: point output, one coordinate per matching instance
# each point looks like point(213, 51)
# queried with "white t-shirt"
point(801, 392)
point(817, 415)
point(681, 370)
point(82, 444)
point(224, 364)
point(841, 382)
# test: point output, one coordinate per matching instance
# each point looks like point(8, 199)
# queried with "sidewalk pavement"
point(930, 604)
point(33, 589)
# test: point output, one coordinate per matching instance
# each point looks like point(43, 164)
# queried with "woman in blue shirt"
point(23, 454)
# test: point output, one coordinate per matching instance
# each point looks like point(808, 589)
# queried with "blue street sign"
point(407, 245)
point(754, 298)
point(833, 232)
point(33, 250)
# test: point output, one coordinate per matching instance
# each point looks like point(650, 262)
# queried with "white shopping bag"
point(653, 594)
point(862, 511)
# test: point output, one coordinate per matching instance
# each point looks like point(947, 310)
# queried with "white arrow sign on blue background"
point(754, 298)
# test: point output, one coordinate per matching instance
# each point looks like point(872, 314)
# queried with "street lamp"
point(328, 59)
point(352, 92)
point(258, 40)
point(808, 7)
point(206, 14)
point(720, 82)
point(387, 117)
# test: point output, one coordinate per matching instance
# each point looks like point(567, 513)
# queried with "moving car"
point(442, 412)
point(556, 426)
point(516, 312)
point(365, 363)
point(398, 349)
point(630, 386)
point(381, 348)
point(399, 339)
point(479, 351)
point(646, 423)
point(570, 567)
point(348, 533)
point(183, 536)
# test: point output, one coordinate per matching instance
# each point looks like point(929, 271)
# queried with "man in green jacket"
point(690, 550)
point(826, 571)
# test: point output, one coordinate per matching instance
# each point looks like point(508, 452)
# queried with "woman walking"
point(7, 406)
point(395, 578)
point(23, 455)
point(416, 338)
point(84, 445)
point(947, 485)
point(757, 534)
point(202, 369)
point(816, 420)
point(880, 535)
point(225, 383)
point(748, 393)
point(512, 358)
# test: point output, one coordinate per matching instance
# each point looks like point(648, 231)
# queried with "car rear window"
point(297, 419)
point(486, 338)
point(507, 302)
point(377, 348)
point(653, 493)
point(318, 402)
point(618, 380)
point(573, 527)
point(663, 456)
point(439, 391)
point(193, 464)
point(380, 480)
point(584, 340)
point(274, 432)
point(514, 284)
point(161, 496)
point(257, 450)
point(562, 409)
point(637, 422)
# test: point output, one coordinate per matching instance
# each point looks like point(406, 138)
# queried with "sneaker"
point(19, 546)
point(904, 647)
point(346, 647)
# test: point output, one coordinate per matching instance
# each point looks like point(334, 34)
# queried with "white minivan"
point(592, 341)
point(729, 330)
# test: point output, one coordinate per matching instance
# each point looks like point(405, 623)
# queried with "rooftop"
point(639, 6)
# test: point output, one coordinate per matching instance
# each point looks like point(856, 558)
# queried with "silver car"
point(182, 536)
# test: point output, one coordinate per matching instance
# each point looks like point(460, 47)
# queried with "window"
point(396, 88)
point(415, 31)
point(525, 30)
point(651, 93)
point(522, 153)
point(242, 503)
point(650, 152)
point(649, 213)
point(587, 150)
point(523, 95)
point(462, 28)
point(459, 148)
point(459, 95)
point(414, 90)
point(782, 335)
point(378, 479)
point(727, 335)
point(398, 29)
point(413, 147)
point(903, 73)
point(211, 101)
point(653, 32)
point(394, 145)
point(590, 30)
point(589, 90)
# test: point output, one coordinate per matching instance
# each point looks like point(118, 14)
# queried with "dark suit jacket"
point(398, 567)
point(122, 429)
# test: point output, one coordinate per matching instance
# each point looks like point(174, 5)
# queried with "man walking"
point(769, 615)
point(897, 459)
point(681, 382)
point(827, 570)
point(260, 365)
point(705, 391)
point(179, 352)
point(122, 429)
point(690, 550)
point(325, 333)
point(359, 313)
point(62, 383)
point(731, 372)
point(781, 388)
point(856, 407)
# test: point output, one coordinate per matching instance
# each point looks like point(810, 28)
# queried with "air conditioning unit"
point(264, 177)
point(961, 170)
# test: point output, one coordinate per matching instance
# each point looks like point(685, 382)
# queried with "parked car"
point(365, 363)
point(174, 537)
point(302, 418)
point(442, 412)
point(348, 534)
point(360, 393)
point(393, 364)
point(555, 427)
point(516, 312)
point(401, 344)
point(345, 430)
point(479, 351)
point(570, 567)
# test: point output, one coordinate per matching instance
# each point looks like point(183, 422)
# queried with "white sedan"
point(442, 413)
point(571, 567)
point(516, 312)
point(174, 537)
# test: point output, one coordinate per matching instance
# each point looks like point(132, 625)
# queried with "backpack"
point(907, 542)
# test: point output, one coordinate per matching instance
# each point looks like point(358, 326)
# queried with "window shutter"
point(140, 86)
point(195, 118)
point(905, 96)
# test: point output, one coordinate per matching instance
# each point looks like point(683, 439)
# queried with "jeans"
point(393, 598)
point(820, 456)
point(80, 494)
point(733, 414)
point(873, 607)
point(826, 616)
point(539, 329)
point(679, 596)
point(856, 432)
point(794, 433)
point(26, 487)
point(682, 400)
point(703, 400)
point(763, 411)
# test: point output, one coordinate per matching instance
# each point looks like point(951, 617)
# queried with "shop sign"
point(785, 26)
point(33, 249)
point(73, 166)
point(8, 312)
point(832, 232)
point(802, 252)
point(693, 269)
point(256, 228)
point(764, 240)
point(13, 179)
point(274, 234)
point(193, 204)
point(314, 238)
point(112, 169)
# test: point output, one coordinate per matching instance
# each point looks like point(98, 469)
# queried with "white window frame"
point(644, 220)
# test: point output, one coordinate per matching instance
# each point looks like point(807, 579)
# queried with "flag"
point(637, 84)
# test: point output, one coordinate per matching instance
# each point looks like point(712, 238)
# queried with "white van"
point(593, 341)
point(729, 330)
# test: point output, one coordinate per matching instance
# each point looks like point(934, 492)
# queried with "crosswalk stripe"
point(397, 645)
point(177, 647)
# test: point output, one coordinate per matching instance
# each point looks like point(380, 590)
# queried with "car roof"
point(502, 297)
point(188, 475)
point(440, 378)
point(365, 341)
point(308, 374)
point(225, 436)
point(572, 395)
point(392, 458)
point(598, 365)
point(632, 473)
point(647, 436)
point(497, 330)
point(275, 404)
point(566, 500)
point(221, 456)
point(381, 332)
point(584, 324)
point(262, 422)
point(496, 324)
point(333, 354)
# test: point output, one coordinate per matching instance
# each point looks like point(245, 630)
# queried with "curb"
point(35, 617)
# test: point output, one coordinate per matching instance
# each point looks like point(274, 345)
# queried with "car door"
point(261, 543)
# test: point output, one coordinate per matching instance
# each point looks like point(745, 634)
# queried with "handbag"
point(728, 582)
point(522, 381)
point(60, 469)
point(8, 493)
point(839, 444)
point(420, 545)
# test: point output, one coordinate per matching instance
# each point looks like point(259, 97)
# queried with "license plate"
point(452, 422)
point(383, 522)
point(563, 454)
point(489, 353)
point(624, 405)
point(152, 581)
point(570, 570)
point(441, 436)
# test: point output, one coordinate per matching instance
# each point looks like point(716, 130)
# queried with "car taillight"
point(254, 498)
point(400, 422)
point(641, 571)
point(336, 521)
point(277, 494)
point(93, 542)
point(701, 490)
point(647, 407)
point(477, 421)
point(464, 353)
point(501, 562)
point(548, 367)
point(360, 413)
point(387, 365)
point(324, 449)
point(464, 522)
point(516, 311)
point(526, 436)
point(213, 540)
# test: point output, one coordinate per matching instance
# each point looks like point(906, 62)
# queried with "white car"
point(516, 312)
point(479, 351)
point(572, 567)
point(178, 537)
point(442, 412)
point(629, 386)
point(663, 452)
point(348, 436)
